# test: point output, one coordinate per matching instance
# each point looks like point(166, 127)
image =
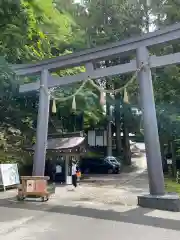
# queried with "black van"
point(99, 165)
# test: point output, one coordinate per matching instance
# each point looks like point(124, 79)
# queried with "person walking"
point(78, 174)
point(74, 175)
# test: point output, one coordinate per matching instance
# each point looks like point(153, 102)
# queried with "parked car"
point(100, 165)
point(117, 161)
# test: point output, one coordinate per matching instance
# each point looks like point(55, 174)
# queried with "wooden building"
point(97, 137)
point(65, 148)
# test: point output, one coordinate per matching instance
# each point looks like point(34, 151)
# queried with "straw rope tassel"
point(102, 98)
point(54, 110)
point(126, 98)
point(74, 103)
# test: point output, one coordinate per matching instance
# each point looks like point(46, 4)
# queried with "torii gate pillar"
point(42, 126)
point(151, 136)
point(157, 197)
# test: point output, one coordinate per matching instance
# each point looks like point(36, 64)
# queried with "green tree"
point(30, 31)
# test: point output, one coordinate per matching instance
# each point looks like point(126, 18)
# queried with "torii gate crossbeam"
point(115, 49)
point(157, 197)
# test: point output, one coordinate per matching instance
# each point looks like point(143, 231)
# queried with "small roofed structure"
point(65, 145)
point(65, 149)
point(68, 145)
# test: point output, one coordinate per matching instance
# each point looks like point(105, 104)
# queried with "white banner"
point(9, 175)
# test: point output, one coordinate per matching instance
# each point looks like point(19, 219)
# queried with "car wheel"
point(110, 171)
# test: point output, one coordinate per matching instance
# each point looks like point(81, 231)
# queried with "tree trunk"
point(173, 150)
point(118, 124)
point(109, 126)
point(126, 147)
point(172, 156)
point(162, 149)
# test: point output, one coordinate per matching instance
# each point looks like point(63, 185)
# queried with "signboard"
point(40, 186)
point(169, 161)
point(30, 186)
point(69, 180)
point(35, 186)
point(9, 175)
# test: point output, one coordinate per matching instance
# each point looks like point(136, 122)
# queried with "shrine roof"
point(62, 143)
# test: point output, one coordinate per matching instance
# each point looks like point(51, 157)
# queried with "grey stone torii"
point(87, 58)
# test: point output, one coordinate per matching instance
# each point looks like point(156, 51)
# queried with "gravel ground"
point(121, 189)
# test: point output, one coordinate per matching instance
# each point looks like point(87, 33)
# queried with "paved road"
point(72, 222)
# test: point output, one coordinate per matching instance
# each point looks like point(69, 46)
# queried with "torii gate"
point(86, 58)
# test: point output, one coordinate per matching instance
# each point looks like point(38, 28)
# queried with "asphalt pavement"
point(41, 222)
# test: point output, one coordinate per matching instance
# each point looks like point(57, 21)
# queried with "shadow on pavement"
point(135, 216)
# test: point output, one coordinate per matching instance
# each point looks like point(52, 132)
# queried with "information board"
point(9, 175)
